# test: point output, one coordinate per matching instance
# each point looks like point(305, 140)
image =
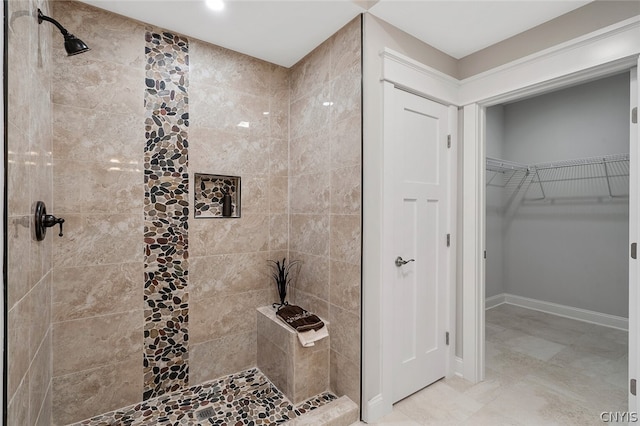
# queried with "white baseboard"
point(593, 317)
point(493, 301)
point(458, 367)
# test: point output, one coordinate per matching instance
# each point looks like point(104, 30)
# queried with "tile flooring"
point(541, 369)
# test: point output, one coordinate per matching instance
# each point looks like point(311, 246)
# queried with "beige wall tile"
point(278, 194)
point(19, 244)
point(89, 240)
point(40, 253)
point(80, 395)
point(345, 238)
point(310, 234)
point(255, 194)
point(346, 190)
point(219, 357)
point(83, 187)
point(250, 233)
point(18, 182)
point(213, 276)
point(310, 153)
point(279, 113)
point(90, 135)
point(275, 364)
point(20, 64)
point(91, 342)
point(311, 373)
point(214, 65)
point(280, 79)
point(89, 291)
point(18, 406)
point(219, 316)
point(229, 152)
point(39, 379)
point(44, 417)
point(279, 157)
point(314, 277)
point(345, 94)
point(310, 72)
point(88, 83)
point(310, 193)
point(345, 377)
point(39, 312)
point(346, 143)
point(217, 108)
point(345, 48)
point(345, 286)
point(345, 333)
point(18, 345)
point(310, 114)
point(278, 231)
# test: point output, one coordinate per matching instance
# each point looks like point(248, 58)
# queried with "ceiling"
point(284, 31)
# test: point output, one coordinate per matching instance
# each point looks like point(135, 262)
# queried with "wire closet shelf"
point(603, 176)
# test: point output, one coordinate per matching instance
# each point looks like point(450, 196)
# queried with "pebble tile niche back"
point(216, 196)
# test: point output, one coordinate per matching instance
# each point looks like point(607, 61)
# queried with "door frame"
point(399, 72)
point(603, 52)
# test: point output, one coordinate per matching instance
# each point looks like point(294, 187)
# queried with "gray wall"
point(575, 252)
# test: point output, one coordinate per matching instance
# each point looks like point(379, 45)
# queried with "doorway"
point(557, 226)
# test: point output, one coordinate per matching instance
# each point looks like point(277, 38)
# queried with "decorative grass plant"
point(283, 274)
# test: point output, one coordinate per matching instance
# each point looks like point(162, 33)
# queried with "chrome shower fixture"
point(72, 44)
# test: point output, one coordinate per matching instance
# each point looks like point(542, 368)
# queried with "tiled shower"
point(140, 297)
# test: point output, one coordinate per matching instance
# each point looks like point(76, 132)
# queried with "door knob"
point(400, 261)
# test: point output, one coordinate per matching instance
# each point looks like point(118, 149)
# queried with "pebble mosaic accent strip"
point(246, 398)
point(166, 210)
point(208, 193)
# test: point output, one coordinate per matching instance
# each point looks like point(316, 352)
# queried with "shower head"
point(72, 44)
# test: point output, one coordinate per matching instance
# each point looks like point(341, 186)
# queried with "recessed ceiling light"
point(216, 5)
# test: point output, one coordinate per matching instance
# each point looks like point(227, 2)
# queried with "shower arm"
point(63, 30)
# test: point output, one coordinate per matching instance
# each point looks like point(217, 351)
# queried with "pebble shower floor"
point(245, 398)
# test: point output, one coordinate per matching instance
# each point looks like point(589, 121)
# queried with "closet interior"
point(557, 235)
point(557, 187)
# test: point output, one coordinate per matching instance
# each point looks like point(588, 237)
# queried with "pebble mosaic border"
point(245, 398)
point(166, 210)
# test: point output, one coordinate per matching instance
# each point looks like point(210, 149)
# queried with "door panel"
point(421, 220)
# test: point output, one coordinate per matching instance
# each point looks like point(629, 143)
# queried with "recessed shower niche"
point(216, 196)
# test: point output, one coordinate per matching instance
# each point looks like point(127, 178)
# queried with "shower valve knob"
point(44, 221)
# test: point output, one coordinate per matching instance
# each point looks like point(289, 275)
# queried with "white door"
point(634, 237)
point(421, 220)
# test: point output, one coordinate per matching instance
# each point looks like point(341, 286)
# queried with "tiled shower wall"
point(98, 144)
point(29, 180)
point(325, 190)
point(228, 275)
point(93, 324)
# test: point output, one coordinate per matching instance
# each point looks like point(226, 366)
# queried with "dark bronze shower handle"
point(44, 221)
